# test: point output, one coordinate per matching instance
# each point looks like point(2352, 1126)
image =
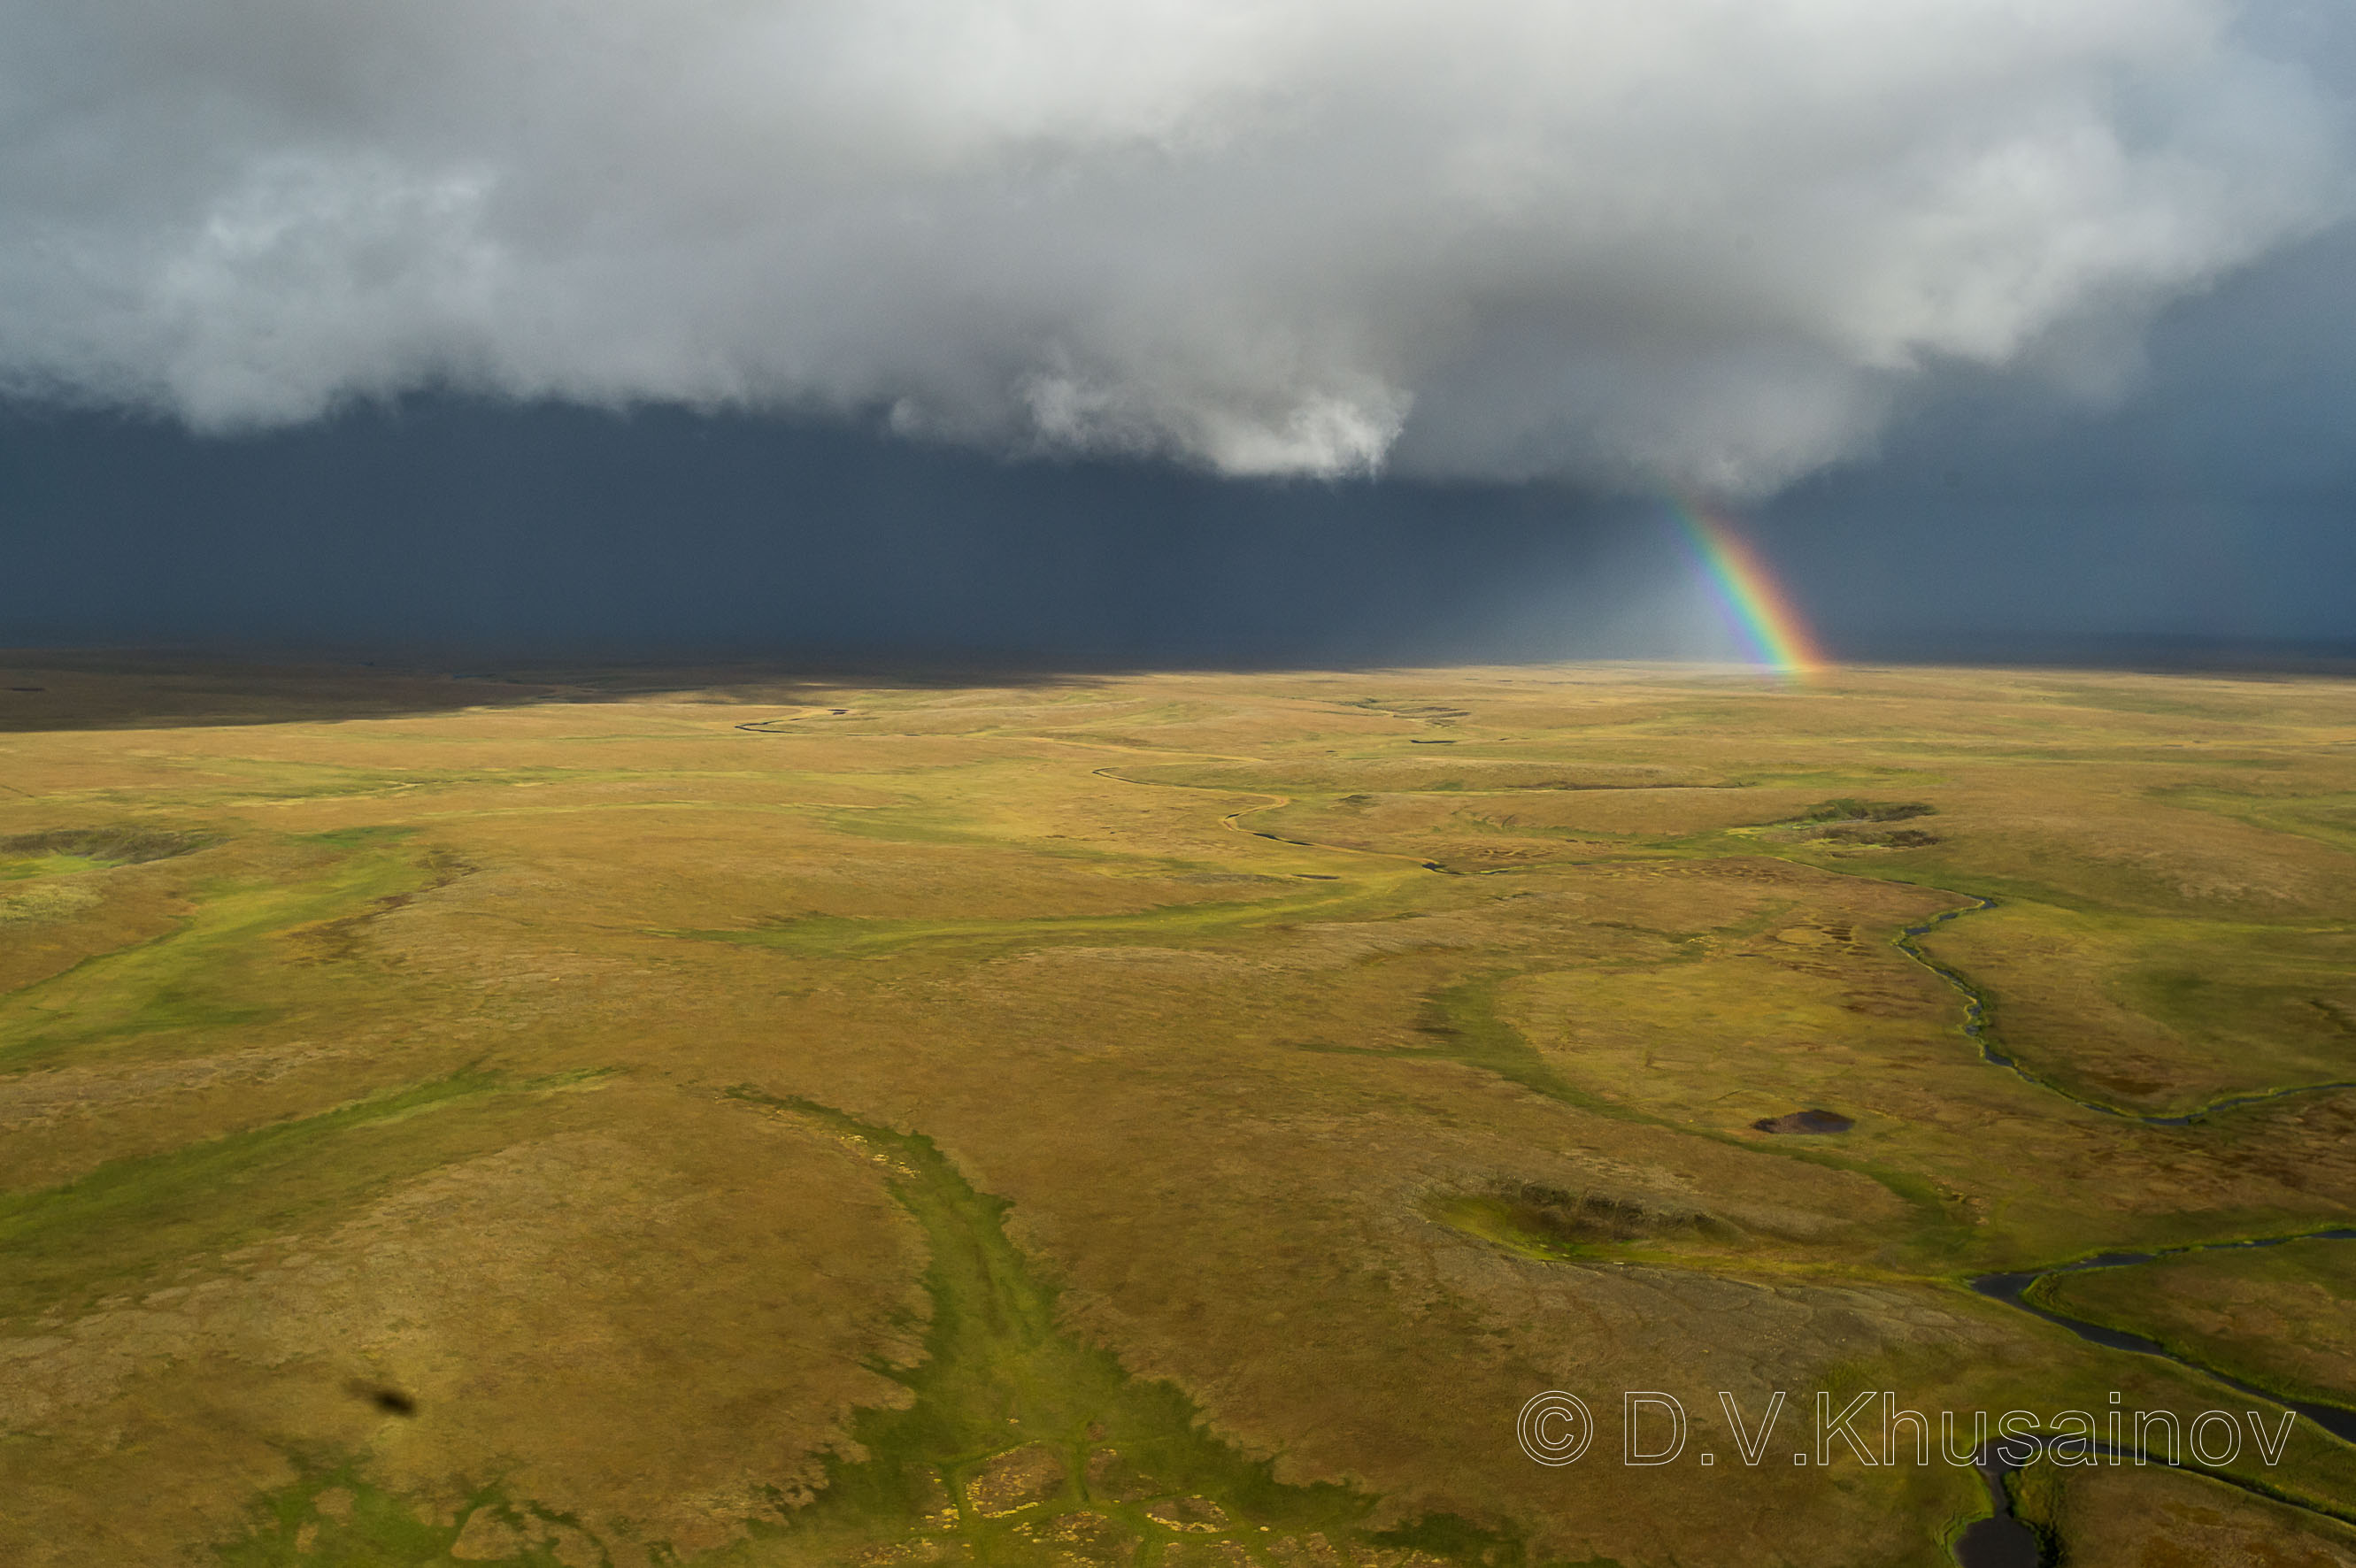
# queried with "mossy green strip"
point(336, 1517)
point(219, 969)
point(129, 1217)
point(1001, 1385)
point(838, 936)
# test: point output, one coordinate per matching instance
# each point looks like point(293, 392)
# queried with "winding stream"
point(1976, 1025)
point(2002, 1540)
point(2014, 1289)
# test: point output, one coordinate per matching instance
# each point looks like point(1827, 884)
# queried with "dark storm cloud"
point(2216, 499)
point(498, 528)
point(1701, 243)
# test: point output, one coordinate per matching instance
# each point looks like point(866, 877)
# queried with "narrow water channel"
point(1976, 1025)
point(2338, 1420)
point(2002, 1540)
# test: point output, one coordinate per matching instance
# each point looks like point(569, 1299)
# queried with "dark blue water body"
point(2000, 1541)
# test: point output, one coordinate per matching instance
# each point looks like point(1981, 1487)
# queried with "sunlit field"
point(629, 1118)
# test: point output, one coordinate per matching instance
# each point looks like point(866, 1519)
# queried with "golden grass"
point(1335, 1060)
point(2127, 1518)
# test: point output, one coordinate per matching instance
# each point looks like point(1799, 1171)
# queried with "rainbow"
point(1755, 605)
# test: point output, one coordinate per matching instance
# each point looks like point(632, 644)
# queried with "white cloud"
point(1699, 242)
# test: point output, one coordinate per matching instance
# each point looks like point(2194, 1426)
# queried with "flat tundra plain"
point(633, 1117)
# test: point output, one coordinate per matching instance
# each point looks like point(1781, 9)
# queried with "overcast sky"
point(1076, 327)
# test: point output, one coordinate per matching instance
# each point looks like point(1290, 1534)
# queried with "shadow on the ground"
point(44, 690)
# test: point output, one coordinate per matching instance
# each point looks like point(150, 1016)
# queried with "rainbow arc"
point(1773, 633)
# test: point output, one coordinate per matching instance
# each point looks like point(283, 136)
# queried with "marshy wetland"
point(626, 1117)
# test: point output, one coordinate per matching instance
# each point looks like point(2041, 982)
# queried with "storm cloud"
point(1706, 244)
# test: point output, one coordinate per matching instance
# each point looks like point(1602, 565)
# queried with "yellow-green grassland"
point(627, 1117)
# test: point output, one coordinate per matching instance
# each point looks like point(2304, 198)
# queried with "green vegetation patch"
point(1466, 1026)
point(335, 1517)
point(2215, 1012)
point(1848, 809)
point(850, 936)
point(373, 836)
point(221, 969)
point(1463, 1025)
point(2276, 994)
point(1851, 821)
point(120, 846)
point(46, 901)
point(1417, 774)
point(1551, 1225)
point(130, 1218)
point(908, 825)
point(1023, 1445)
point(229, 780)
point(2329, 818)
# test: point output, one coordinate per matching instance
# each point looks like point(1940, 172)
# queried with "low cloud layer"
point(1693, 242)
